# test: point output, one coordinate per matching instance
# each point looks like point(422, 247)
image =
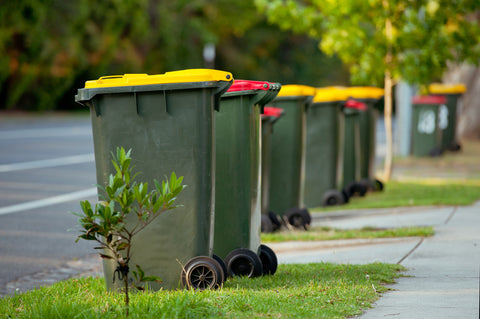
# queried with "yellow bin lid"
point(183, 76)
point(365, 92)
point(296, 90)
point(440, 88)
point(330, 94)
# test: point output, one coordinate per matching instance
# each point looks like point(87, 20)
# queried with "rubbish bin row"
point(254, 155)
point(318, 151)
point(203, 126)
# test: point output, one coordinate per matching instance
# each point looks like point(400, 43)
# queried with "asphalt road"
point(46, 167)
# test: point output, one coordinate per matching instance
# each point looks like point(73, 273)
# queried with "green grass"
point(429, 192)
point(327, 233)
point(321, 290)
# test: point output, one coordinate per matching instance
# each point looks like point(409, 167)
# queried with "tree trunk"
point(387, 172)
point(127, 297)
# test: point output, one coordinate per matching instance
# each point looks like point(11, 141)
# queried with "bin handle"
point(111, 77)
point(219, 91)
point(135, 99)
point(165, 100)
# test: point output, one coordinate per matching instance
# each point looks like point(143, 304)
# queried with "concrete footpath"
point(442, 280)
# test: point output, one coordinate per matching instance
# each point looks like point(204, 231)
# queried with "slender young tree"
point(106, 222)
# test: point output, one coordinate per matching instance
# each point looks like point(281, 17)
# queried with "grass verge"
point(328, 233)
point(320, 290)
point(428, 192)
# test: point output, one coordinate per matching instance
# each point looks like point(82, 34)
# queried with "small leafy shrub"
point(106, 223)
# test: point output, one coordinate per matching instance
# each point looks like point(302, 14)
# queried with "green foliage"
point(107, 223)
point(425, 34)
point(50, 48)
point(321, 290)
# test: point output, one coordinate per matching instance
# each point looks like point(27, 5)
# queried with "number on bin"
point(426, 122)
point(443, 117)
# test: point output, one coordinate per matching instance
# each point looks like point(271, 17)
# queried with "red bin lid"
point(357, 105)
point(247, 85)
point(272, 111)
point(429, 99)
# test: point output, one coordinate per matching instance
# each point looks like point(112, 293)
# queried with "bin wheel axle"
point(202, 273)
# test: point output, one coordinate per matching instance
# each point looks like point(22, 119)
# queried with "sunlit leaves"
point(424, 34)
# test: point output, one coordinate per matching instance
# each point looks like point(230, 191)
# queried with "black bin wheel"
point(354, 189)
point(332, 198)
point(299, 218)
point(277, 224)
point(346, 197)
point(202, 273)
point(267, 225)
point(379, 185)
point(369, 184)
point(436, 152)
point(269, 260)
point(222, 264)
point(243, 262)
point(454, 147)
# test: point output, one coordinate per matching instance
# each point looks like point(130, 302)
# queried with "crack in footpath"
point(411, 251)
point(451, 215)
point(422, 239)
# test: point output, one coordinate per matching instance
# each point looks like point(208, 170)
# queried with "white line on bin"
point(60, 161)
point(83, 194)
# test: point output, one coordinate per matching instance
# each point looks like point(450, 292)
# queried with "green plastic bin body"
point(368, 122)
point(448, 119)
point(287, 166)
point(238, 166)
point(169, 128)
point(268, 122)
point(448, 113)
point(351, 147)
point(324, 151)
point(427, 136)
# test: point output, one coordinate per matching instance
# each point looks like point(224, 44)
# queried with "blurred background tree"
point(49, 48)
point(383, 41)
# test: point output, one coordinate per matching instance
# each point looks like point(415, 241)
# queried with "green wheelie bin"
point(287, 169)
point(237, 179)
point(427, 134)
point(167, 121)
point(270, 221)
point(324, 151)
point(370, 96)
point(352, 157)
point(448, 114)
